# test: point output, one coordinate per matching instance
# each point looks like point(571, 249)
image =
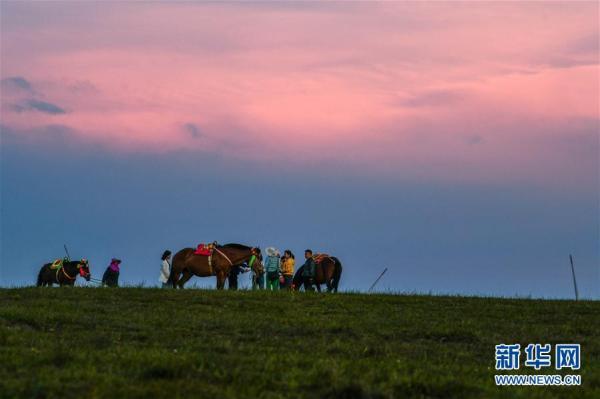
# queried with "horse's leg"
point(327, 278)
point(328, 275)
point(45, 277)
point(184, 279)
point(174, 276)
point(221, 279)
point(319, 276)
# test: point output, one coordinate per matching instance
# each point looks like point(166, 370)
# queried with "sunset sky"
point(454, 143)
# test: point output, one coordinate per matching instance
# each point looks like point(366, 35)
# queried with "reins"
point(252, 254)
point(225, 256)
point(66, 274)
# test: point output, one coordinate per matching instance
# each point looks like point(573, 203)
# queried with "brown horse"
point(187, 264)
point(328, 271)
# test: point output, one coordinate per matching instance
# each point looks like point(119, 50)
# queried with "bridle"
point(79, 268)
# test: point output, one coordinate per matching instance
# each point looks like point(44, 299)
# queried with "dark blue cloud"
point(23, 92)
point(16, 83)
point(44, 106)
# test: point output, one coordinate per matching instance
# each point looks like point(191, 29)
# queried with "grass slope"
point(140, 342)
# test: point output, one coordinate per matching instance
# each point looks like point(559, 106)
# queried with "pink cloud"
point(431, 90)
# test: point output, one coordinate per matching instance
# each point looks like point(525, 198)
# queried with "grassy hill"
point(137, 342)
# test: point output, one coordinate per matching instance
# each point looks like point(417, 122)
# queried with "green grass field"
point(141, 342)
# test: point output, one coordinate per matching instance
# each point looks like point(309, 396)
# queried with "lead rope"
point(64, 272)
point(225, 256)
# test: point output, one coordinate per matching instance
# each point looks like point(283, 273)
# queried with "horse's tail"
point(40, 278)
point(337, 273)
point(176, 269)
point(171, 279)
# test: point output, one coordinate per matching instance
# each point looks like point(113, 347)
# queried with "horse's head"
point(84, 269)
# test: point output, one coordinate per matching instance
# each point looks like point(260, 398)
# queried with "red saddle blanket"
point(205, 250)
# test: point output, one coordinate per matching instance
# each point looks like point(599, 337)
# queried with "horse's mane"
point(236, 246)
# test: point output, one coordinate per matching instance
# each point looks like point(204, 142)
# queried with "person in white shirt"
point(165, 268)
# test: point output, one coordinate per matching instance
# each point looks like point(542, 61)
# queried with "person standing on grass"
point(309, 272)
point(258, 276)
point(165, 268)
point(272, 268)
point(234, 272)
point(287, 269)
point(111, 275)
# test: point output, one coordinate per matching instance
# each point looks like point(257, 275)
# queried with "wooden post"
point(574, 279)
point(376, 281)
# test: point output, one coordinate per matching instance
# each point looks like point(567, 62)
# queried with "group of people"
point(278, 273)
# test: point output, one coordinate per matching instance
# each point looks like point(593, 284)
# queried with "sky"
point(456, 144)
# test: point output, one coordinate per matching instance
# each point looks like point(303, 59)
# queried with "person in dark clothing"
point(308, 274)
point(232, 278)
point(111, 275)
point(234, 273)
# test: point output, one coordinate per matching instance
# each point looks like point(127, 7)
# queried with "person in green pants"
point(272, 269)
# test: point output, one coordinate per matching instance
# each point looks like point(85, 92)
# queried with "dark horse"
point(64, 275)
point(187, 264)
point(328, 271)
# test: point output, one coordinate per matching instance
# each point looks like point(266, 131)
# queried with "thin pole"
point(67, 251)
point(378, 278)
point(574, 279)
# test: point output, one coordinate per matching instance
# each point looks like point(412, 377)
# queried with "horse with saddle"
point(212, 260)
point(63, 272)
point(328, 271)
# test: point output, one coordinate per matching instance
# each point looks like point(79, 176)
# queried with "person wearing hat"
point(111, 275)
point(165, 269)
point(272, 268)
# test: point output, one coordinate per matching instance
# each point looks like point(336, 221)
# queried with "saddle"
point(204, 249)
point(318, 258)
point(57, 264)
